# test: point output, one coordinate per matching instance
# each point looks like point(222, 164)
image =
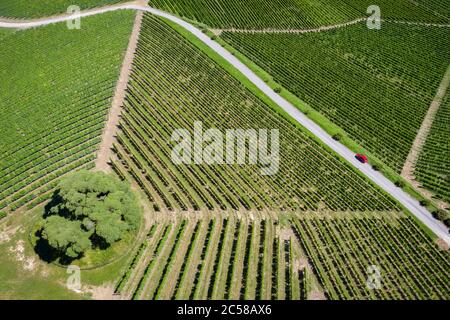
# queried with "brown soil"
point(104, 153)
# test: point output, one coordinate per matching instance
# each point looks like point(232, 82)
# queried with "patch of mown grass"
point(47, 281)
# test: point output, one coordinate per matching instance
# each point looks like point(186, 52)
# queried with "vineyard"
point(287, 14)
point(341, 248)
point(172, 85)
point(54, 102)
point(212, 255)
point(315, 229)
point(44, 8)
point(228, 232)
point(433, 166)
point(254, 255)
point(376, 85)
point(438, 7)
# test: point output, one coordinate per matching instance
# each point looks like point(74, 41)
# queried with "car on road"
point(362, 158)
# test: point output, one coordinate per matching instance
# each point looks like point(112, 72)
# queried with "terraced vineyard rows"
point(433, 165)
point(376, 85)
point(438, 7)
point(287, 14)
point(342, 248)
point(405, 10)
point(252, 14)
point(54, 103)
point(180, 265)
point(173, 85)
point(328, 252)
point(44, 8)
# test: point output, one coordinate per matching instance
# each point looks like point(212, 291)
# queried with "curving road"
point(407, 201)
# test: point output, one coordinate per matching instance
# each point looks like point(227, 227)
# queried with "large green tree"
point(89, 210)
point(66, 236)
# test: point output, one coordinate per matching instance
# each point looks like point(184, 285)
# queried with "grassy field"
point(23, 275)
point(377, 86)
point(286, 14)
point(44, 8)
point(57, 86)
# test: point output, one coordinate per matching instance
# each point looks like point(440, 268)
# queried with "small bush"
point(337, 136)
point(376, 167)
point(447, 222)
point(424, 202)
point(440, 215)
point(400, 183)
point(277, 89)
point(2, 214)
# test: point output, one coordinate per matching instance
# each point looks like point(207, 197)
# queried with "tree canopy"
point(89, 210)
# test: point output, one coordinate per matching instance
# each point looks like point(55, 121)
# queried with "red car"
point(362, 158)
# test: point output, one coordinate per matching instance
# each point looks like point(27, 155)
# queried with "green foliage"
point(433, 166)
point(2, 214)
point(89, 210)
point(441, 215)
point(438, 7)
point(66, 236)
point(41, 8)
point(375, 85)
point(54, 102)
point(400, 183)
point(376, 167)
point(447, 222)
point(337, 136)
point(309, 176)
point(246, 258)
point(412, 257)
point(286, 14)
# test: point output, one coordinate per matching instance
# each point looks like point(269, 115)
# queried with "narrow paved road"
point(407, 201)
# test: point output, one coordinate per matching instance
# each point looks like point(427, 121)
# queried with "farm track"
point(411, 204)
point(421, 138)
point(218, 32)
point(111, 127)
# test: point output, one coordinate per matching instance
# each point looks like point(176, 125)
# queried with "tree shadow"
point(99, 242)
point(56, 199)
point(49, 254)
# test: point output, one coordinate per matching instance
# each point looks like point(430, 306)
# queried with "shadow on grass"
point(49, 254)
